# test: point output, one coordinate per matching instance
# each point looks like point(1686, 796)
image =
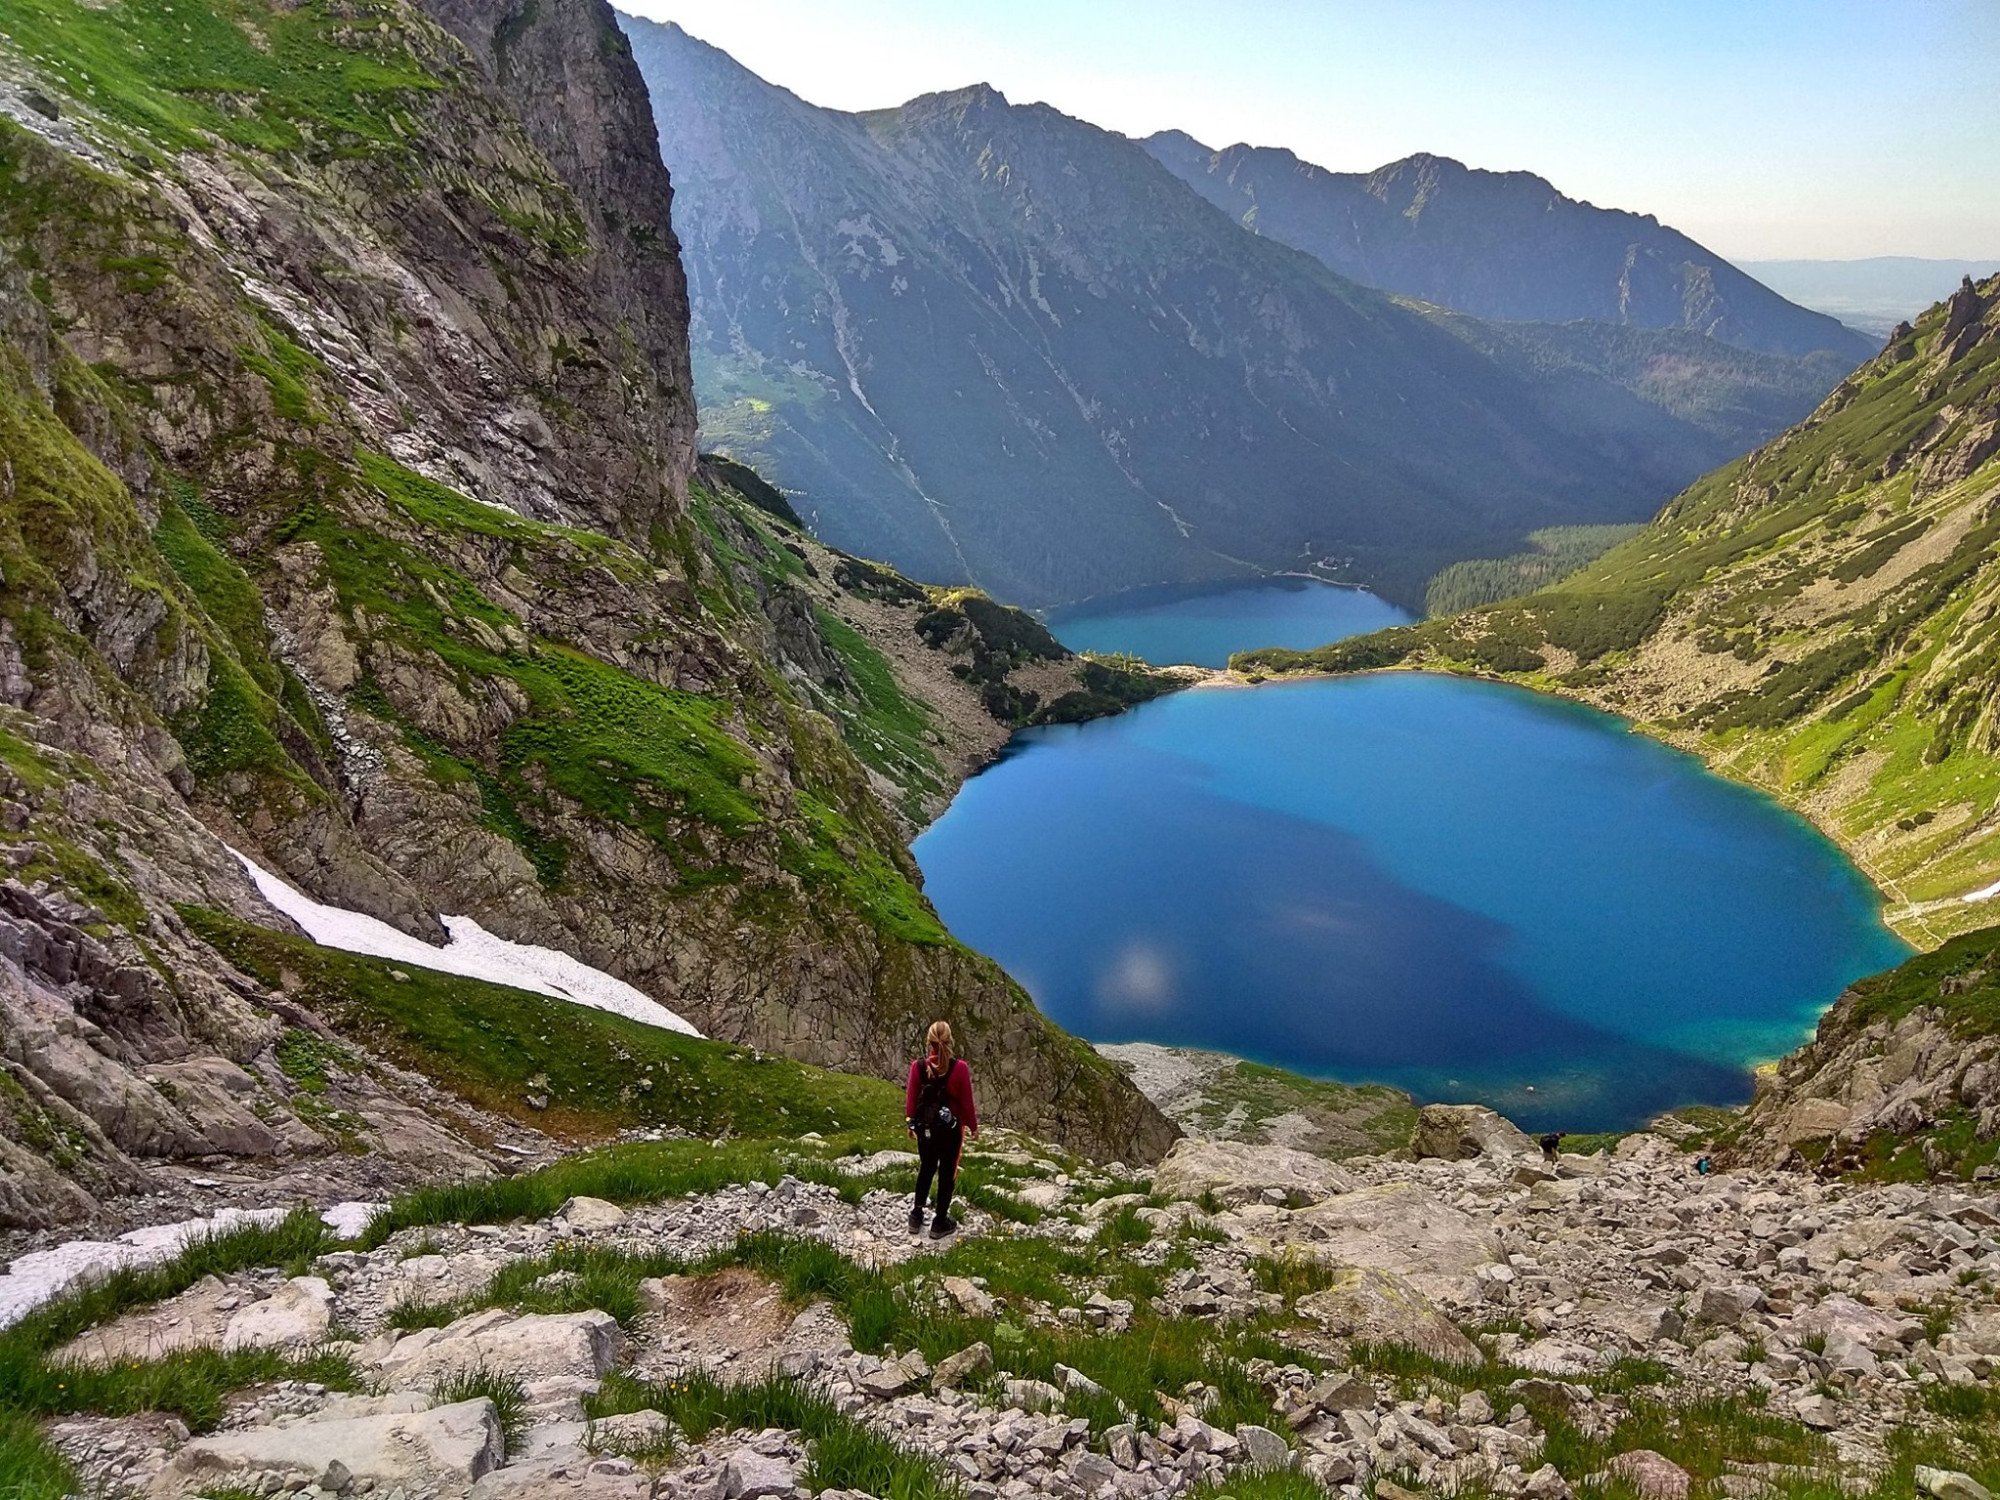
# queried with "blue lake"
point(1202, 623)
point(1464, 889)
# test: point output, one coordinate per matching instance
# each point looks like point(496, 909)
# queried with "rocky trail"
point(1479, 1320)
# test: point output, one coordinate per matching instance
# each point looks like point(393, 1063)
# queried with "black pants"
point(937, 1153)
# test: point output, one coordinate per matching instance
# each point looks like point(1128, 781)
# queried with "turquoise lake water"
point(1464, 889)
point(1202, 624)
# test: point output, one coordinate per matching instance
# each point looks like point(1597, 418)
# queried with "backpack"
point(934, 1114)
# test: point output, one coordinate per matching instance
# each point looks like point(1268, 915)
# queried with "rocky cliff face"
point(349, 513)
point(1502, 245)
point(992, 343)
point(1817, 618)
point(1902, 1079)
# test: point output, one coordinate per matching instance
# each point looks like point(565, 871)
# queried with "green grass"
point(224, 589)
point(292, 1242)
point(839, 858)
point(493, 1045)
point(1961, 979)
point(885, 727)
point(194, 1384)
point(841, 1452)
point(639, 1173)
point(319, 78)
point(1293, 1274)
point(30, 1469)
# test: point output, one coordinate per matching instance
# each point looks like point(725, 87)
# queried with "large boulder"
point(442, 1451)
point(566, 1476)
point(1650, 1475)
point(193, 1320)
point(571, 1351)
point(1239, 1173)
point(1459, 1132)
point(296, 1316)
point(1398, 1227)
point(1375, 1306)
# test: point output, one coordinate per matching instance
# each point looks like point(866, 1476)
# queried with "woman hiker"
point(938, 1109)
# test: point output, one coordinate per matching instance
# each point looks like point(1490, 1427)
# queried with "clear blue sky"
point(1765, 128)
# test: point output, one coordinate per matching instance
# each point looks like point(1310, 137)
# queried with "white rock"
point(1238, 1173)
point(295, 1316)
point(538, 1346)
point(443, 1450)
point(591, 1213)
point(750, 1475)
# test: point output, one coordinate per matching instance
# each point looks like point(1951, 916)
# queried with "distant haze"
point(1873, 295)
point(1789, 128)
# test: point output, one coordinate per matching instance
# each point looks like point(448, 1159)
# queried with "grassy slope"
point(1855, 605)
point(496, 1046)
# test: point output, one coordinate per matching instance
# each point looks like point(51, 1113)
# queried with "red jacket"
point(957, 1091)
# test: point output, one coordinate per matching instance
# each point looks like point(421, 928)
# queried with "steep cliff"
point(349, 513)
point(1817, 618)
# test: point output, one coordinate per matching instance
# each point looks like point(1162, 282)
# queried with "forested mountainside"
point(1502, 245)
point(1817, 618)
point(350, 514)
point(991, 342)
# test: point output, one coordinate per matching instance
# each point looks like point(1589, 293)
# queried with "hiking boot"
point(943, 1227)
point(916, 1220)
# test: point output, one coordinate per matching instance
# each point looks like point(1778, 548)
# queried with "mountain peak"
point(1176, 140)
point(971, 96)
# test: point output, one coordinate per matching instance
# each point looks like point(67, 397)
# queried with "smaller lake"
point(1201, 624)
point(1465, 889)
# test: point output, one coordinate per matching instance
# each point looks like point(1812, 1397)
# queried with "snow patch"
point(40, 1275)
point(1984, 893)
point(472, 953)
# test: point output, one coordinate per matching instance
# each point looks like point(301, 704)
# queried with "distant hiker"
point(939, 1111)
point(1702, 1166)
point(1551, 1143)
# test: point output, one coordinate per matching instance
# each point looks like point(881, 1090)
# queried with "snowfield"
point(473, 953)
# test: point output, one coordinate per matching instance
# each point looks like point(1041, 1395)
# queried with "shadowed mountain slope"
point(993, 342)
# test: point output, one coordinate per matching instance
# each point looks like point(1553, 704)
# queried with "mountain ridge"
point(1503, 245)
point(960, 324)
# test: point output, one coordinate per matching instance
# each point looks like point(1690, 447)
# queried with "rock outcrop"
point(1904, 1069)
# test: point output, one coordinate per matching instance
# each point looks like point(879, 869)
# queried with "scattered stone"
point(1264, 1448)
point(1033, 1395)
point(295, 1316)
point(751, 1475)
point(578, 1347)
